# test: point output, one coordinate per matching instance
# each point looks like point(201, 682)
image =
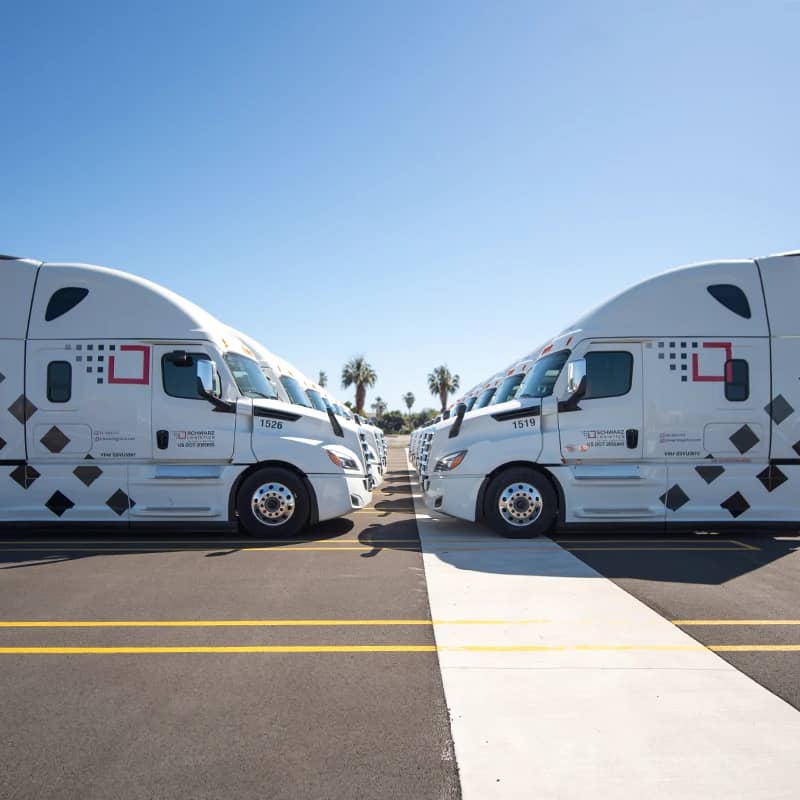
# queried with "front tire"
point(520, 503)
point(273, 502)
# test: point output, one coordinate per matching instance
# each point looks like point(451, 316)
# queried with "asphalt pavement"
point(217, 668)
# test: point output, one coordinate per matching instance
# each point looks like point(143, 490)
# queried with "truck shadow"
point(30, 546)
point(691, 558)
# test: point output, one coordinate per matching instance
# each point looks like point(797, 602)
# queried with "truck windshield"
point(295, 391)
point(508, 388)
point(484, 399)
point(248, 377)
point(471, 402)
point(543, 376)
point(316, 400)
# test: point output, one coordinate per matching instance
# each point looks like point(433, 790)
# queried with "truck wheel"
point(520, 503)
point(273, 502)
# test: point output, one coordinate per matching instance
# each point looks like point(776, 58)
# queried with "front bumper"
point(341, 494)
point(455, 496)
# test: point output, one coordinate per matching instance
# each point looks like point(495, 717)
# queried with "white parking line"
point(654, 716)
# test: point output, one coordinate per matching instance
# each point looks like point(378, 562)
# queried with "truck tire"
point(520, 503)
point(273, 502)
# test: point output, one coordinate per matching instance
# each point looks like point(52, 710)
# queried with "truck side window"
point(732, 297)
point(64, 300)
point(180, 380)
point(737, 380)
point(59, 381)
point(608, 373)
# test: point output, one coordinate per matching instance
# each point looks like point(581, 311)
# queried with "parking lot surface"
point(185, 666)
point(739, 595)
point(171, 666)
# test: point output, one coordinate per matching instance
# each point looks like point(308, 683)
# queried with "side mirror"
point(206, 377)
point(576, 378)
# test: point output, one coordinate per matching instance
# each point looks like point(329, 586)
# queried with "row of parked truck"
point(123, 402)
point(673, 404)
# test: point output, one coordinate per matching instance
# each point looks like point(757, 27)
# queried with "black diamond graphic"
point(87, 475)
point(796, 447)
point(735, 504)
point(59, 503)
point(89, 457)
point(119, 502)
point(55, 440)
point(24, 476)
point(22, 409)
point(2, 442)
point(709, 456)
point(709, 474)
point(771, 477)
point(674, 498)
point(2, 377)
point(778, 409)
point(744, 439)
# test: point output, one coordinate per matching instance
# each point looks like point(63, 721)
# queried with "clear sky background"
point(419, 182)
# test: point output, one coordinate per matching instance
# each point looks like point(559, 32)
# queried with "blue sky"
point(422, 183)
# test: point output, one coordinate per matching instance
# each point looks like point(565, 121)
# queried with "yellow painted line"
point(209, 623)
point(746, 546)
point(322, 648)
point(755, 648)
point(658, 549)
point(392, 648)
point(413, 547)
point(598, 540)
point(735, 621)
point(198, 543)
point(255, 623)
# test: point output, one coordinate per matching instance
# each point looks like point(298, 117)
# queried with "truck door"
point(186, 427)
point(601, 439)
point(605, 425)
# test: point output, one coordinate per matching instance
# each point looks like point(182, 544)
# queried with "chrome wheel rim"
point(273, 504)
point(520, 504)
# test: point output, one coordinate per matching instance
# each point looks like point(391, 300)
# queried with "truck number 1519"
point(524, 423)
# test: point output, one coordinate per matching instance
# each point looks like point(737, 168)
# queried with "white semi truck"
point(676, 402)
point(122, 402)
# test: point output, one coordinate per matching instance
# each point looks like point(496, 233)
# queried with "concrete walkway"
point(562, 685)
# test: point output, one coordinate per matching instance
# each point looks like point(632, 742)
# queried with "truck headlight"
point(341, 460)
point(449, 462)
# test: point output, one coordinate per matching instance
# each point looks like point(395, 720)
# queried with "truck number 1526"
point(271, 423)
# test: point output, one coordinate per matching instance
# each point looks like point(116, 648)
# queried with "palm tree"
point(380, 406)
point(357, 372)
point(323, 378)
point(408, 399)
point(442, 382)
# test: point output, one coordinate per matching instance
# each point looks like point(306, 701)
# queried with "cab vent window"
point(59, 381)
point(732, 297)
point(180, 378)
point(608, 374)
point(64, 300)
point(737, 380)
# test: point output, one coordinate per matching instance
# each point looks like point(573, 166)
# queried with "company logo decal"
point(677, 355)
point(126, 363)
point(130, 368)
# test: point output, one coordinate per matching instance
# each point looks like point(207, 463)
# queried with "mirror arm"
point(225, 406)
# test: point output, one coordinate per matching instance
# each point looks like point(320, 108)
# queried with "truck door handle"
point(162, 439)
point(632, 438)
